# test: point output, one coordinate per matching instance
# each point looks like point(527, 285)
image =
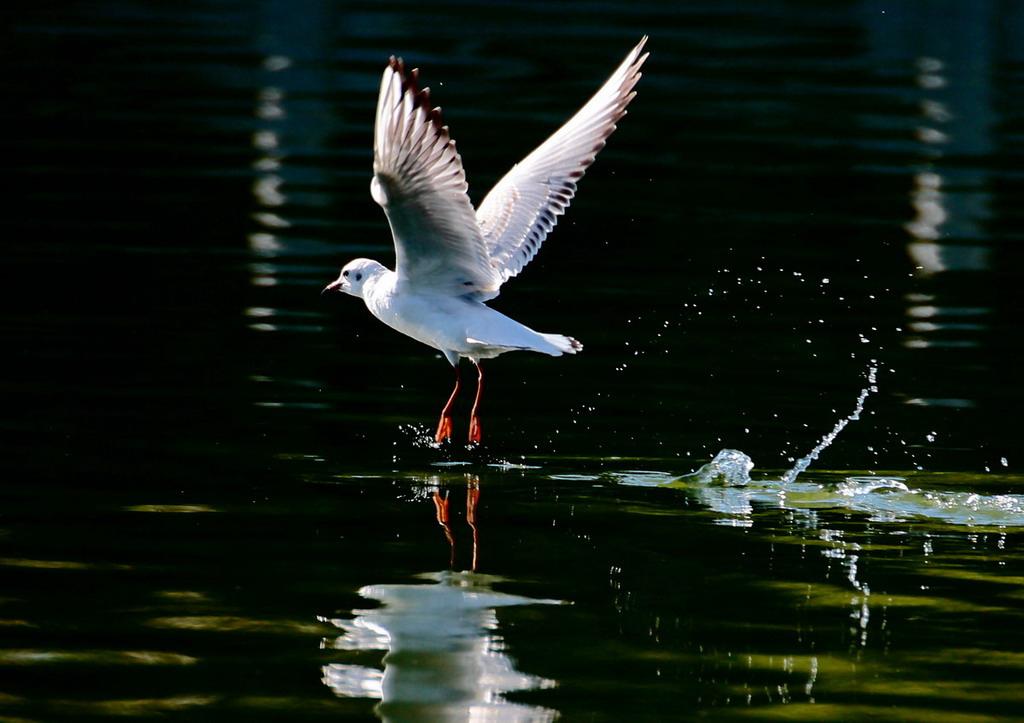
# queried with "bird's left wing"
point(419, 180)
point(520, 211)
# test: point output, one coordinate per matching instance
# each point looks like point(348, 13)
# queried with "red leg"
point(444, 427)
point(474, 416)
point(472, 500)
point(441, 506)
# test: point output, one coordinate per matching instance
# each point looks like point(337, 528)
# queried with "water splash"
point(853, 486)
point(804, 462)
point(730, 468)
point(725, 486)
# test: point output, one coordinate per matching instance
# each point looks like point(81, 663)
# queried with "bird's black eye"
point(345, 274)
point(359, 277)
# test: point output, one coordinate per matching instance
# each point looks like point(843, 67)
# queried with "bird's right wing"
point(520, 211)
point(419, 181)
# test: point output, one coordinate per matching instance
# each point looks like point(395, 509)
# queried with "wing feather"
point(419, 181)
point(522, 209)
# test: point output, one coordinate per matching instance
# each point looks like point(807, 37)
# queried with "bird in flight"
point(450, 259)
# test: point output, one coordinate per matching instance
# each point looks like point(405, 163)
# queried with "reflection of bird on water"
point(449, 260)
point(444, 517)
point(444, 658)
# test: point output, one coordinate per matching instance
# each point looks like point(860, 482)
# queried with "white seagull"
point(449, 260)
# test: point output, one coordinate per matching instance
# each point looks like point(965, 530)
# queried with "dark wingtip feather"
point(421, 97)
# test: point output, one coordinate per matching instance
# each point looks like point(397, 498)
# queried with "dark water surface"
point(218, 501)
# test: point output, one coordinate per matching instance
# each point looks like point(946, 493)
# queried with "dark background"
point(173, 188)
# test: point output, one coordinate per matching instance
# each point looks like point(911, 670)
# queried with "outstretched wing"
point(520, 211)
point(419, 180)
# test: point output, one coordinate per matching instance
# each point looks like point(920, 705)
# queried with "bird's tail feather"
point(565, 344)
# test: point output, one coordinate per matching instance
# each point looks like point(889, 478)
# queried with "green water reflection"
point(815, 606)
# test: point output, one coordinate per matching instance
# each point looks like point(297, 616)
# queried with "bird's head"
point(354, 276)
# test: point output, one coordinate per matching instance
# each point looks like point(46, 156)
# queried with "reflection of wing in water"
point(444, 659)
